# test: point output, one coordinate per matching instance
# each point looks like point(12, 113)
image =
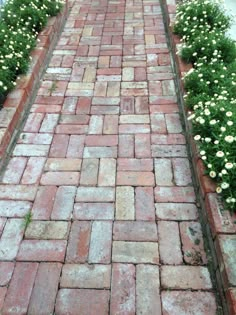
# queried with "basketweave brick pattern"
point(102, 166)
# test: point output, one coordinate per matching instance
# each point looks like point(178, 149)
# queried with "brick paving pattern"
point(101, 163)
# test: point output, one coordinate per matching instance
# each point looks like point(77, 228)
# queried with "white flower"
point(229, 165)
point(230, 123)
point(209, 165)
point(229, 114)
point(202, 152)
point(220, 154)
point(197, 137)
point(224, 185)
point(207, 140)
point(229, 139)
point(222, 129)
point(218, 190)
point(212, 174)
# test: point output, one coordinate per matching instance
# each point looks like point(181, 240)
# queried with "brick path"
point(102, 166)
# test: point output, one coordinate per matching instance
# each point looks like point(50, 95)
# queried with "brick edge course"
point(17, 102)
point(217, 221)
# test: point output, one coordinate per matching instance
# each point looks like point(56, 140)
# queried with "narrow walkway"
point(101, 164)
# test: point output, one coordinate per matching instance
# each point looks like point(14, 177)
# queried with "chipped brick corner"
point(219, 223)
point(17, 101)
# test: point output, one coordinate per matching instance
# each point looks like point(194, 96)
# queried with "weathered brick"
point(110, 125)
point(14, 209)
point(89, 172)
point(42, 250)
point(168, 87)
point(95, 125)
point(83, 105)
point(69, 301)
point(127, 105)
point(35, 138)
point(100, 244)
point(60, 178)
point(126, 146)
point(182, 172)
point(128, 74)
point(125, 203)
point(163, 166)
point(135, 231)
point(49, 123)
point(174, 194)
point(134, 128)
point(144, 204)
point(125, 164)
point(94, 211)
point(14, 170)
point(129, 178)
point(158, 124)
point(59, 146)
point(72, 129)
point(192, 243)
point(169, 151)
point(18, 192)
point(11, 238)
point(107, 172)
point(100, 152)
point(135, 252)
point(74, 119)
point(43, 203)
point(6, 271)
point(141, 105)
point(104, 141)
point(76, 146)
point(20, 289)
point(69, 105)
point(123, 300)
point(173, 123)
point(86, 276)
point(148, 290)
point(58, 164)
point(195, 277)
point(95, 194)
point(78, 246)
point(44, 293)
point(168, 139)
point(33, 122)
point(46, 230)
point(142, 146)
point(33, 170)
point(3, 292)
point(31, 150)
point(169, 243)
point(134, 119)
point(176, 211)
point(64, 202)
point(185, 302)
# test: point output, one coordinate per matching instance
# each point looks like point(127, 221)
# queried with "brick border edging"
point(219, 225)
point(17, 102)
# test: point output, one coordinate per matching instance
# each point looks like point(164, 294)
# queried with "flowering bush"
point(211, 89)
point(21, 20)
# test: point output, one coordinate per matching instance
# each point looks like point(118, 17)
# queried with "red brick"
point(6, 270)
point(89, 172)
point(192, 243)
point(135, 231)
point(168, 139)
point(72, 129)
point(127, 105)
point(45, 289)
point(78, 246)
point(164, 109)
point(174, 194)
point(49, 123)
point(162, 100)
point(144, 204)
point(140, 74)
point(95, 124)
point(164, 60)
point(185, 277)
point(169, 243)
point(141, 105)
point(107, 172)
point(126, 146)
point(176, 211)
point(20, 289)
point(125, 164)
point(182, 172)
point(85, 276)
point(123, 300)
point(142, 146)
point(135, 178)
point(49, 100)
point(110, 125)
point(103, 141)
point(42, 250)
point(163, 166)
point(44, 201)
point(64, 202)
point(155, 88)
point(33, 170)
point(33, 122)
point(60, 178)
point(69, 301)
point(76, 146)
point(3, 292)
point(74, 119)
point(173, 123)
point(35, 138)
point(59, 146)
point(100, 243)
point(186, 302)
point(169, 151)
point(67, 164)
point(14, 170)
point(69, 105)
